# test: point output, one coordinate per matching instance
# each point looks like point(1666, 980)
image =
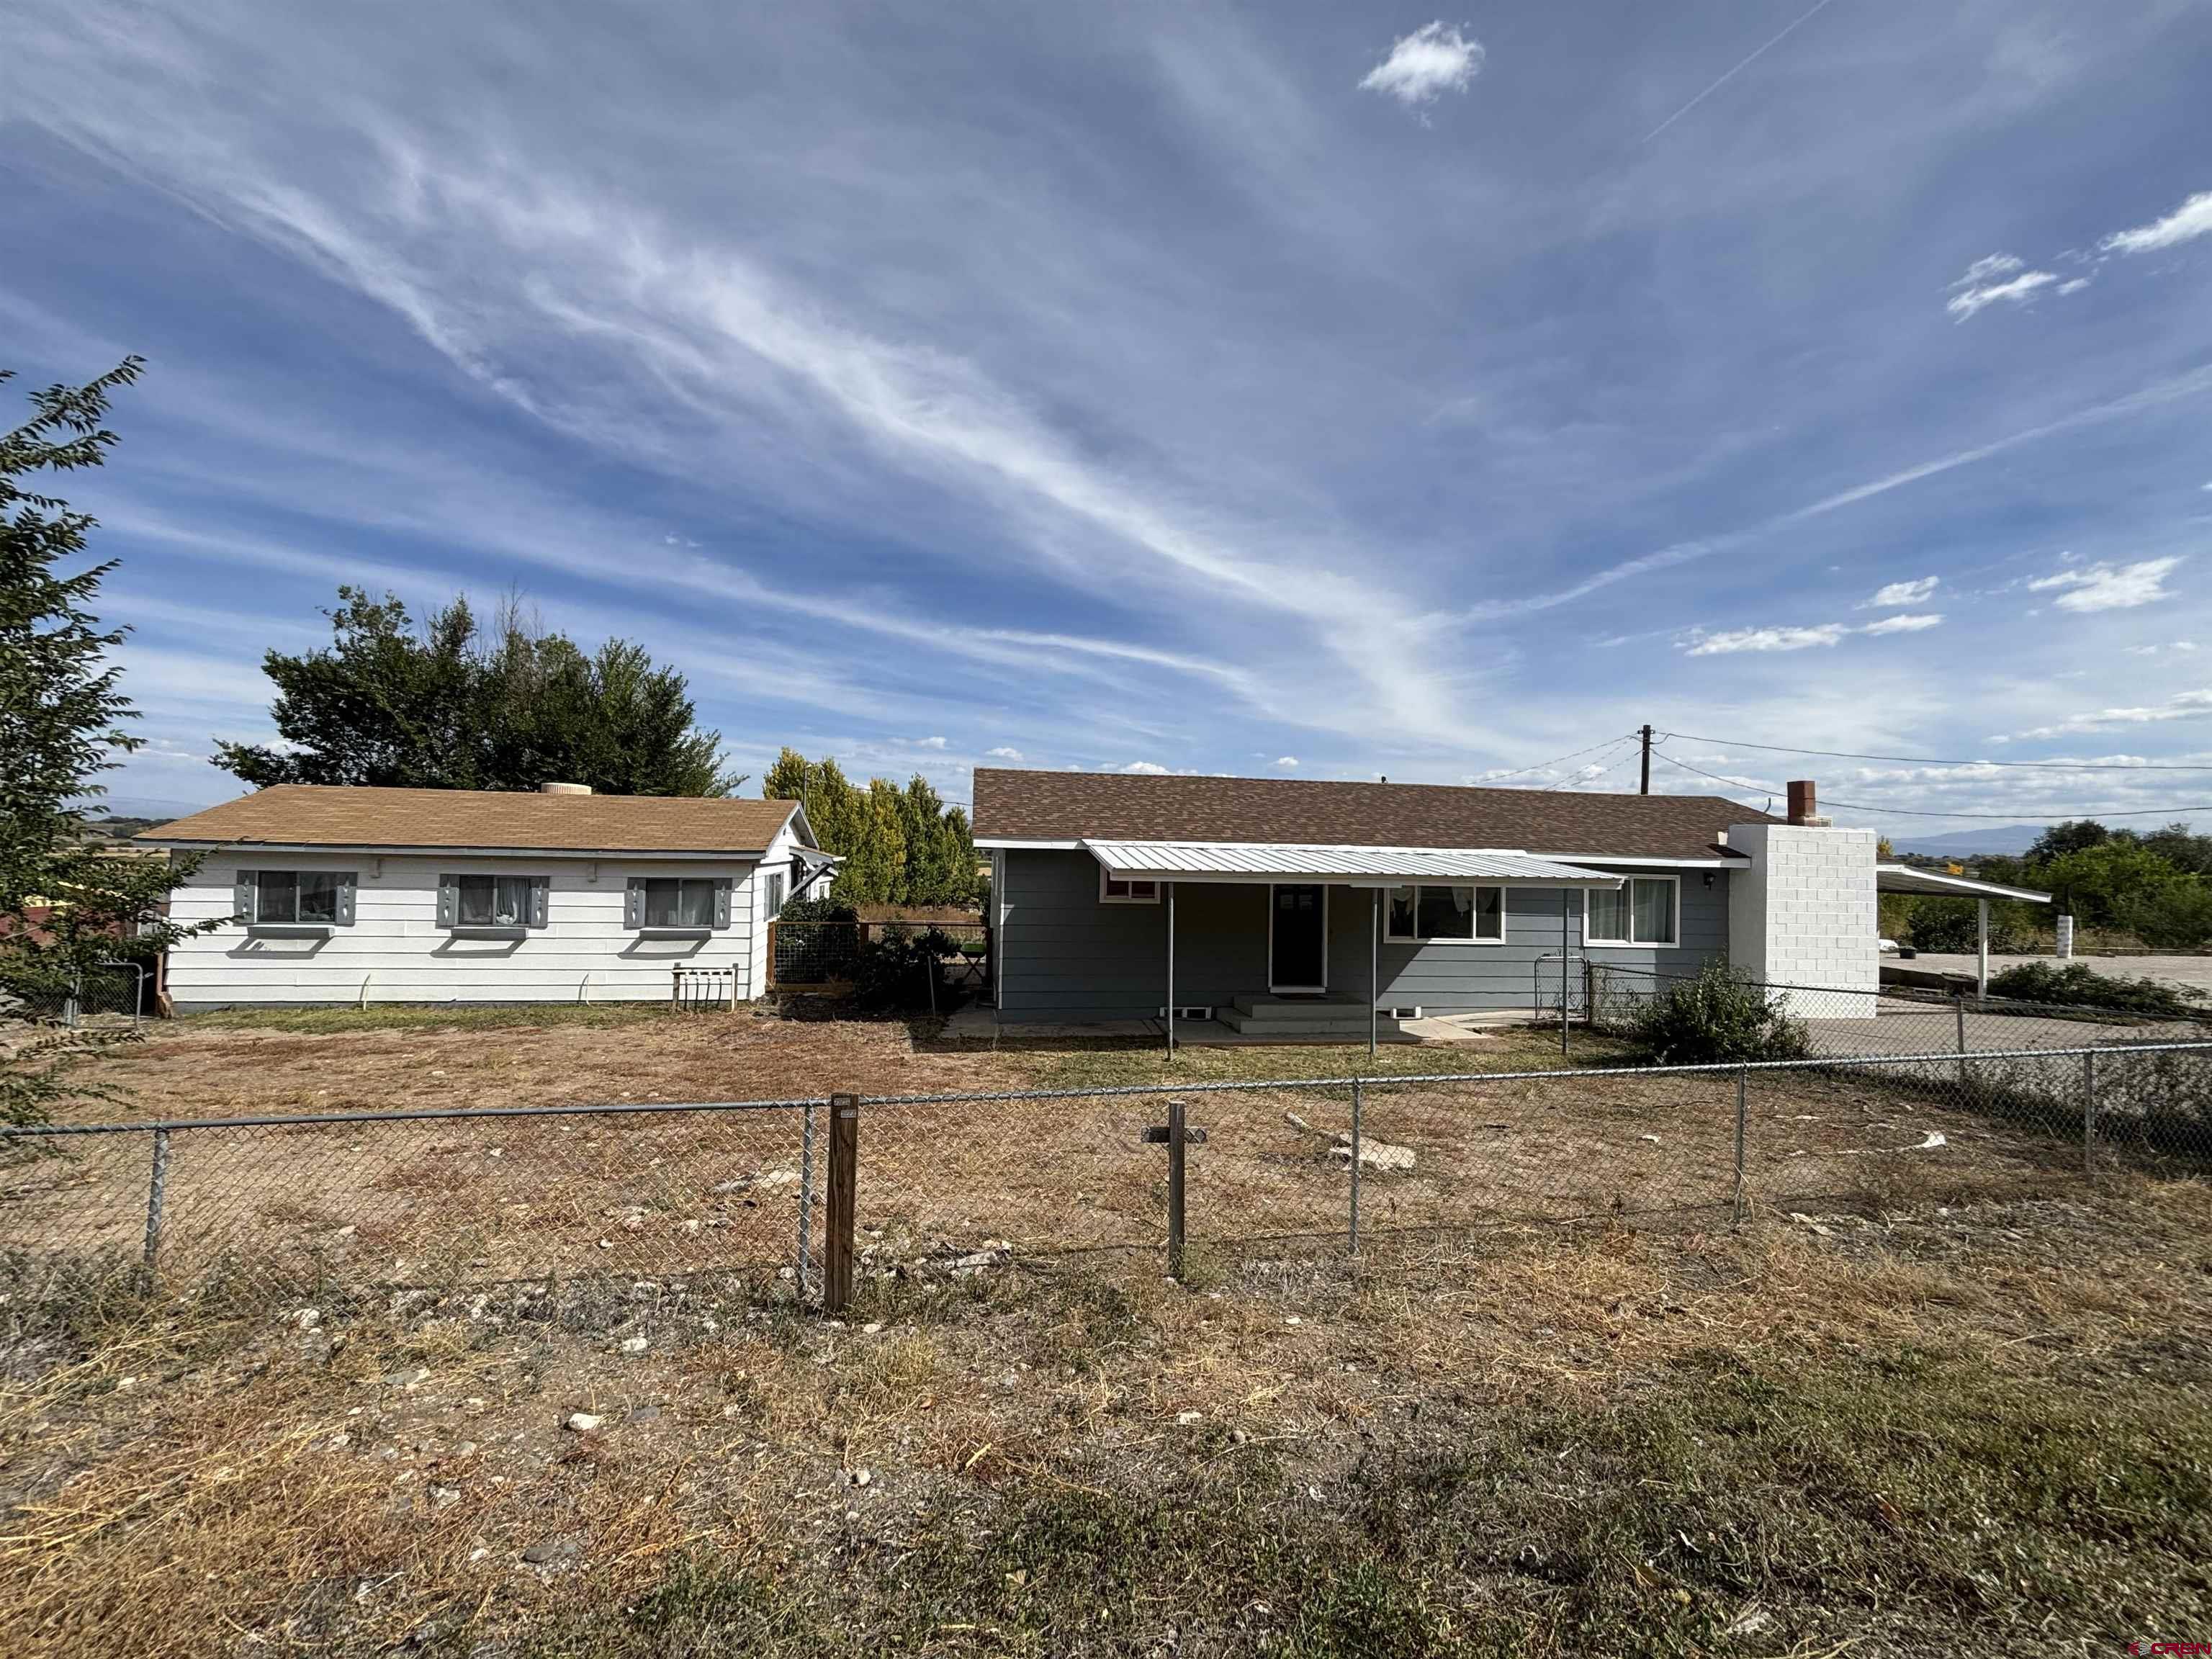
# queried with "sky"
point(1315, 391)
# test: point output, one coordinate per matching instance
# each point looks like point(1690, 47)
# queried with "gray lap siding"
point(1066, 957)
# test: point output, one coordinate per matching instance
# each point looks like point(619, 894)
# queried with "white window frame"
point(1131, 896)
point(1627, 886)
point(1390, 937)
point(780, 883)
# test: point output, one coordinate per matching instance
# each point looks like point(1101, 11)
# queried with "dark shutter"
point(539, 886)
point(241, 895)
point(722, 902)
point(348, 882)
point(634, 903)
point(449, 900)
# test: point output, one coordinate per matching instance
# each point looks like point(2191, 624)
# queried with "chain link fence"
point(951, 1183)
point(115, 994)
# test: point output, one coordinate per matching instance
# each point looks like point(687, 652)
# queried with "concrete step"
point(1351, 1029)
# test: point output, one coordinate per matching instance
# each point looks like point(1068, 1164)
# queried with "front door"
point(1297, 938)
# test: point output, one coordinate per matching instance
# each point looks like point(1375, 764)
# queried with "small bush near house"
point(1718, 1016)
point(2078, 985)
point(904, 969)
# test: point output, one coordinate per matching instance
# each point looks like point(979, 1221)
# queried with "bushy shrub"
point(816, 909)
point(1719, 1016)
point(2175, 917)
point(2080, 985)
point(900, 969)
point(1955, 925)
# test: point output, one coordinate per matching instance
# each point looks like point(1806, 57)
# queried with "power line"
point(1578, 776)
point(1911, 812)
point(1606, 743)
point(1925, 760)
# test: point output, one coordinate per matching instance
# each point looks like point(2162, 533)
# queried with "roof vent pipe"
point(564, 788)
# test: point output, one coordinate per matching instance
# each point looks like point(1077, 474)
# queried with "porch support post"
point(1566, 920)
point(1374, 987)
point(1982, 950)
point(1169, 1021)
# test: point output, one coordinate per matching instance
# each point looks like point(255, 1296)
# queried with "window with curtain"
point(679, 902)
point(492, 901)
point(287, 896)
point(1640, 911)
point(1418, 914)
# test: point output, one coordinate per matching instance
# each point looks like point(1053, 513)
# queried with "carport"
point(1905, 878)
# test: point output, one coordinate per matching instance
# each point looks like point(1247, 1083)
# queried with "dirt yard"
point(652, 1192)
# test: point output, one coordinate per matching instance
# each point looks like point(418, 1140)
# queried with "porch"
point(1250, 1022)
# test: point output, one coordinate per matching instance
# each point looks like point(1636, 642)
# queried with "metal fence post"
point(155, 1188)
point(1958, 1006)
point(844, 1166)
point(805, 1200)
point(1356, 1092)
point(73, 1004)
point(1175, 1187)
point(1742, 1078)
point(2089, 1114)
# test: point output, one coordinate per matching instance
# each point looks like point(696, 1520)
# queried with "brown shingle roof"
point(314, 815)
point(1072, 806)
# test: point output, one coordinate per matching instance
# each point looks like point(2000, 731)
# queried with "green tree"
point(2074, 836)
point(899, 846)
point(64, 721)
point(2102, 883)
point(446, 703)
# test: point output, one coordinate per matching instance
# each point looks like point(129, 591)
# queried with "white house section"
point(396, 949)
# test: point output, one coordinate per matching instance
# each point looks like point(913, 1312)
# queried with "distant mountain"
point(1999, 841)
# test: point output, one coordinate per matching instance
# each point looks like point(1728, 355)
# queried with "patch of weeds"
point(1874, 1500)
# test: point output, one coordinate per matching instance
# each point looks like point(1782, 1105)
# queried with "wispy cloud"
point(1288, 762)
point(2186, 705)
point(1992, 279)
point(1728, 642)
point(2109, 587)
point(1902, 594)
point(2192, 219)
point(1147, 769)
point(1006, 753)
point(1733, 640)
point(1906, 624)
point(1434, 59)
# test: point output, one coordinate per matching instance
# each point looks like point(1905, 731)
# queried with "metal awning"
point(1355, 867)
point(1904, 878)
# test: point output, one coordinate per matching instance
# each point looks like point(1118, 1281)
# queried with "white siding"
point(395, 951)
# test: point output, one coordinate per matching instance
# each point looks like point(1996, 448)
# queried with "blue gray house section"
point(1066, 956)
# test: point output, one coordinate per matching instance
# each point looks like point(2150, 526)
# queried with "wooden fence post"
point(844, 1166)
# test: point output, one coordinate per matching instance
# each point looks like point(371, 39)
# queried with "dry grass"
point(212, 1504)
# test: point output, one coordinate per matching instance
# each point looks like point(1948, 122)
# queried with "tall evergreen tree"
point(447, 704)
point(899, 846)
point(69, 904)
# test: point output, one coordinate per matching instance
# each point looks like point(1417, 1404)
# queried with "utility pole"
point(1646, 789)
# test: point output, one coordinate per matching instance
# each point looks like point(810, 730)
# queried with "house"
point(1293, 907)
point(337, 895)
